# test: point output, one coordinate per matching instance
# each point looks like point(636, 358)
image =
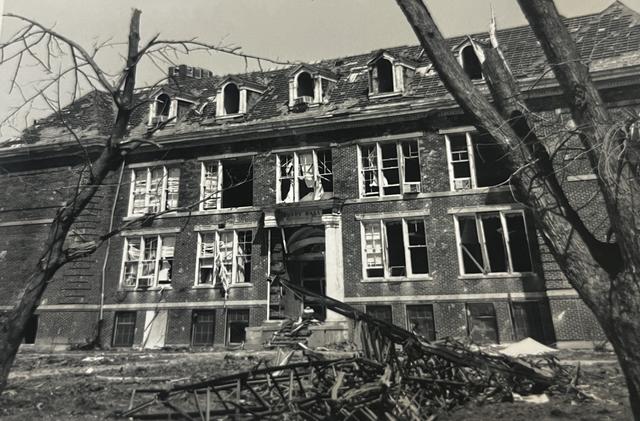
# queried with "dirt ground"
point(78, 386)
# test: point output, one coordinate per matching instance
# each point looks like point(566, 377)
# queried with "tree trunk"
point(14, 321)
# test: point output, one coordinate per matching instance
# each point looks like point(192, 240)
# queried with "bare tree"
point(121, 90)
point(606, 274)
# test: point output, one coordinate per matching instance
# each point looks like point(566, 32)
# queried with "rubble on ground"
point(395, 375)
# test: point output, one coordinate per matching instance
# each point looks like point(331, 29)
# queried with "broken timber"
point(397, 376)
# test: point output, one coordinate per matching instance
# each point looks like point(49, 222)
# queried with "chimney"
point(184, 71)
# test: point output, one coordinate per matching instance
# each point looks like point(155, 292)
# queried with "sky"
point(290, 30)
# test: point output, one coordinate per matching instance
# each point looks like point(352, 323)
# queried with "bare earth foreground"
point(92, 385)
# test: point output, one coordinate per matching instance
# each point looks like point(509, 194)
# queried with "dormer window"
point(236, 96)
point(306, 85)
point(388, 75)
point(165, 109)
point(231, 99)
point(382, 76)
point(470, 63)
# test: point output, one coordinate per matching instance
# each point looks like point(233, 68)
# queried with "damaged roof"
point(608, 40)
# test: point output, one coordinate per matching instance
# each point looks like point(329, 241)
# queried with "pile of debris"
point(397, 375)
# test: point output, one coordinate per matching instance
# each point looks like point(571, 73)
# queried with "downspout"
point(106, 253)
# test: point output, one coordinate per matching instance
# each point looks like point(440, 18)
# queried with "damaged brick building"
point(360, 175)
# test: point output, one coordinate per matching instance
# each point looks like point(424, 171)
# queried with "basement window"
point(148, 261)
point(388, 169)
point(124, 328)
point(304, 176)
point(226, 184)
point(231, 99)
point(470, 63)
point(420, 321)
point(395, 248)
point(203, 324)
point(481, 323)
point(153, 189)
point(237, 323)
point(474, 161)
point(224, 258)
point(493, 242)
point(380, 312)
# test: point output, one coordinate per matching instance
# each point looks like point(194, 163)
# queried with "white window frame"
point(155, 280)
point(404, 189)
point(234, 257)
point(479, 54)
point(296, 172)
point(317, 87)
point(218, 192)
point(483, 243)
point(407, 252)
point(471, 159)
point(163, 190)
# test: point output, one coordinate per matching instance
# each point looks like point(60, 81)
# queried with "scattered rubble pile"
point(396, 375)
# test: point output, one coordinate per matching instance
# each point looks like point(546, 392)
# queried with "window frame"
point(194, 322)
point(379, 169)
point(234, 257)
point(116, 319)
point(296, 172)
point(483, 243)
point(164, 192)
point(430, 310)
point(471, 159)
point(406, 249)
point(219, 163)
point(155, 284)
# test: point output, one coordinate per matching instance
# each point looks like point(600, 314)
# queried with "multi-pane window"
point(303, 176)
point(493, 242)
point(154, 189)
point(203, 327)
point(226, 184)
point(224, 257)
point(124, 328)
point(148, 261)
point(420, 321)
point(474, 161)
point(389, 169)
point(481, 323)
point(394, 248)
point(237, 323)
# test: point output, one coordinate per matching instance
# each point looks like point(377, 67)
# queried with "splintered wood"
point(397, 375)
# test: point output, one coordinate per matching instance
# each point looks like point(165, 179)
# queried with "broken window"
point(493, 242)
point(154, 189)
point(203, 327)
point(396, 165)
point(306, 86)
point(148, 261)
point(224, 258)
point(471, 63)
point(481, 323)
point(303, 176)
point(420, 321)
point(124, 328)
point(395, 248)
point(381, 75)
point(237, 323)
point(163, 105)
point(475, 160)
point(226, 184)
point(383, 313)
point(231, 98)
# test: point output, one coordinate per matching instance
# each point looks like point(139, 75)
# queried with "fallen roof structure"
point(397, 375)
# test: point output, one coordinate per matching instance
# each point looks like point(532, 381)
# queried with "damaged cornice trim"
point(150, 231)
point(418, 213)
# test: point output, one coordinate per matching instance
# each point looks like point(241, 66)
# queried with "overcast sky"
point(294, 30)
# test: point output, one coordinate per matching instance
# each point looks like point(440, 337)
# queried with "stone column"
point(333, 262)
